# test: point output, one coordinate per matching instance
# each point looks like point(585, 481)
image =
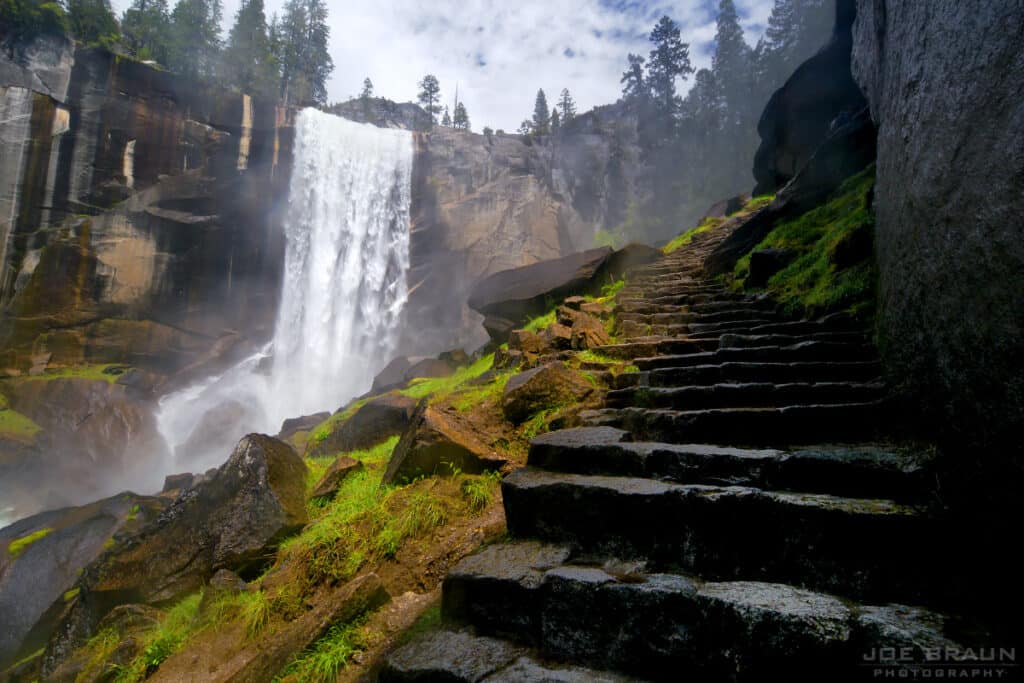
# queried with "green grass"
point(324, 659)
point(479, 491)
point(178, 624)
point(365, 521)
point(19, 545)
point(16, 426)
point(441, 387)
point(324, 429)
point(541, 322)
point(813, 284)
point(71, 594)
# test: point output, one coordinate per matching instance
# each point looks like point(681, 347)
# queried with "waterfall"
point(342, 296)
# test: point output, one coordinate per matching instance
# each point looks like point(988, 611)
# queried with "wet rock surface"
point(230, 520)
point(378, 420)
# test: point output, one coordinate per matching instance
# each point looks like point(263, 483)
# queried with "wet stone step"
point(745, 395)
point(813, 371)
point(767, 426)
point(667, 626)
point(858, 470)
point(459, 656)
point(873, 549)
point(808, 351)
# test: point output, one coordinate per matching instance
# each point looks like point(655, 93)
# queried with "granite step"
point(667, 626)
point(802, 352)
point(875, 549)
point(851, 470)
point(745, 395)
point(812, 371)
point(766, 426)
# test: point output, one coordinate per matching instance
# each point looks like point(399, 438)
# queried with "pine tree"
point(194, 37)
point(567, 105)
point(430, 96)
point(634, 87)
point(302, 37)
point(446, 120)
point(541, 115)
point(461, 118)
point(669, 60)
point(93, 22)
point(145, 26)
point(367, 91)
point(249, 63)
point(556, 121)
point(24, 19)
point(731, 64)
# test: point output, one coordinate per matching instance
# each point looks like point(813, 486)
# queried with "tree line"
point(285, 58)
point(699, 148)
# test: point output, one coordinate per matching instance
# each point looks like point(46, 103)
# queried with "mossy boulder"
point(377, 420)
point(549, 387)
point(440, 442)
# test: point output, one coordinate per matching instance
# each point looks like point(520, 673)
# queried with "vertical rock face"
point(483, 204)
point(820, 95)
point(138, 211)
point(943, 79)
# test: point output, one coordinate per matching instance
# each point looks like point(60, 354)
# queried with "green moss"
point(817, 282)
point(108, 372)
point(428, 621)
point(18, 427)
point(133, 514)
point(712, 222)
point(71, 594)
point(109, 543)
point(19, 545)
point(324, 659)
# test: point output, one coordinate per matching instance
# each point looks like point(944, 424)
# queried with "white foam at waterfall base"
point(342, 296)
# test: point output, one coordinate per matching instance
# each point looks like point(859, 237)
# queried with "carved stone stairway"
point(734, 513)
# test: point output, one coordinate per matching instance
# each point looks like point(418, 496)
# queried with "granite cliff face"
point(943, 79)
point(483, 204)
point(140, 213)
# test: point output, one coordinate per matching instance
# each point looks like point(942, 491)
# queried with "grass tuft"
point(439, 388)
point(324, 659)
point(18, 427)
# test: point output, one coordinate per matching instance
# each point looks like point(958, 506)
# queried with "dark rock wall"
point(944, 80)
point(144, 216)
point(820, 96)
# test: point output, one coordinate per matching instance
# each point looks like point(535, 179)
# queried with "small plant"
point(479, 491)
point(71, 594)
point(133, 513)
point(541, 322)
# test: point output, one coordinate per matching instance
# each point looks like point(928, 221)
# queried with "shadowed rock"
point(377, 421)
point(547, 387)
point(231, 520)
point(337, 473)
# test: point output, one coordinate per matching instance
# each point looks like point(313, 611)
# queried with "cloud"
point(498, 53)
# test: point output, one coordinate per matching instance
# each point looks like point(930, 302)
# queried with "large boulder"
point(820, 94)
point(944, 82)
point(509, 297)
point(815, 133)
point(378, 420)
point(402, 369)
point(548, 387)
point(439, 442)
point(231, 520)
point(49, 551)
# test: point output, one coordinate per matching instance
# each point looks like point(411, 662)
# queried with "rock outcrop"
point(819, 97)
point(228, 521)
point(37, 578)
point(943, 79)
point(437, 442)
point(181, 182)
point(378, 420)
point(509, 297)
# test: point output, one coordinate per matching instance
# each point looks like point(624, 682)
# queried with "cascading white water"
point(346, 257)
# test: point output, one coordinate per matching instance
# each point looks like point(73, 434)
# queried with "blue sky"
point(499, 52)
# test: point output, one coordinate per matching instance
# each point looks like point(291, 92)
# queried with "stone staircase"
point(734, 513)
